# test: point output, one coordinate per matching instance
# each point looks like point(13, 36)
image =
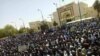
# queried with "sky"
point(15, 12)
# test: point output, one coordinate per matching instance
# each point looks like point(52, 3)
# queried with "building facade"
point(36, 25)
point(55, 17)
point(91, 12)
point(71, 12)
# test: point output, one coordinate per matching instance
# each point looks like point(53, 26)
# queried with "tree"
point(2, 33)
point(96, 6)
point(30, 30)
point(23, 30)
point(54, 23)
point(44, 26)
point(68, 20)
point(10, 30)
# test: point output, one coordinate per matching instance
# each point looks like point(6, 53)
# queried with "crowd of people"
point(75, 39)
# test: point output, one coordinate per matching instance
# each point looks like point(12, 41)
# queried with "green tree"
point(9, 30)
point(28, 30)
point(44, 26)
point(23, 30)
point(96, 6)
point(2, 33)
point(54, 23)
point(68, 20)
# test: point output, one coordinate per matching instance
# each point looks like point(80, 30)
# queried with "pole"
point(41, 14)
point(22, 22)
point(50, 17)
point(79, 10)
point(14, 24)
point(58, 14)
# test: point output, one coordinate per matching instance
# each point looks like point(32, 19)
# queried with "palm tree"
point(96, 6)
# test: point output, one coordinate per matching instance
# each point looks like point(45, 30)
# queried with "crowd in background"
point(75, 39)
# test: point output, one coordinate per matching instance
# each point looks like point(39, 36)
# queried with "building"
point(55, 17)
point(36, 25)
point(91, 12)
point(71, 12)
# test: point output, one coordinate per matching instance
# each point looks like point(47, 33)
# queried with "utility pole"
point(14, 24)
point(57, 13)
point(79, 10)
point(41, 14)
point(22, 22)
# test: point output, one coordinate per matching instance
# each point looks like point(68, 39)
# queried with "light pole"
point(50, 16)
point(14, 24)
point(41, 14)
point(79, 9)
point(22, 22)
point(57, 13)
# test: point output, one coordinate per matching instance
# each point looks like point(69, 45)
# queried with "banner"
point(22, 48)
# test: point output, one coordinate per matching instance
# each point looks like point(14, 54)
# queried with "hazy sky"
point(12, 11)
